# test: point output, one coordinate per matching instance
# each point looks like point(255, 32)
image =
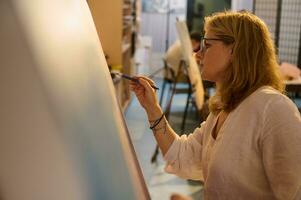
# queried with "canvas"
point(62, 134)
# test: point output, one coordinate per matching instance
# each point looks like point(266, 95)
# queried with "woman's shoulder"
point(267, 92)
point(265, 95)
point(271, 110)
point(265, 100)
point(268, 99)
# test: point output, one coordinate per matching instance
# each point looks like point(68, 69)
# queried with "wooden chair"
point(173, 82)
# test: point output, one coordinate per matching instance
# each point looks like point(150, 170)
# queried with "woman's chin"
point(207, 77)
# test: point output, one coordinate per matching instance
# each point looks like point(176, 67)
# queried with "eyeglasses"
point(203, 43)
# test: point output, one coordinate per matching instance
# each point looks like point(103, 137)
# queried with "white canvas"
point(62, 135)
point(193, 68)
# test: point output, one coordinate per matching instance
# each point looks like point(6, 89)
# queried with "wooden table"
point(293, 89)
point(293, 85)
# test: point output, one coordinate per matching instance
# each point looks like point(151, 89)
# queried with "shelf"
point(125, 47)
point(128, 18)
point(117, 39)
point(126, 6)
point(127, 25)
point(128, 1)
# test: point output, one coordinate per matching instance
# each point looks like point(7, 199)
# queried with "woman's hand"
point(146, 96)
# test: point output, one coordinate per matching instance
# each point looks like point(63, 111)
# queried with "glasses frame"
point(204, 39)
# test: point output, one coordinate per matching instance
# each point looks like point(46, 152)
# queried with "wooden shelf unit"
point(115, 24)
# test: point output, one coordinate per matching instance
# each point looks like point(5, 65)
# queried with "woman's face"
point(214, 58)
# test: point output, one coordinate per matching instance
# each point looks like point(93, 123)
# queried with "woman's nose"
point(199, 55)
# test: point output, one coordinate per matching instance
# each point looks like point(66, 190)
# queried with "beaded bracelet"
point(156, 122)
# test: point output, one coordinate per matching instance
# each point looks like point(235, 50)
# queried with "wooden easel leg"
point(185, 111)
point(162, 91)
point(168, 107)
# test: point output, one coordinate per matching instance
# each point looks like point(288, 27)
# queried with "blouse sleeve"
point(281, 149)
point(184, 155)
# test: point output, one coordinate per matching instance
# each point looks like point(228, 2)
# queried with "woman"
point(250, 145)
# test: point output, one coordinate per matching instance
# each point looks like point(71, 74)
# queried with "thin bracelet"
point(157, 122)
point(154, 121)
point(155, 130)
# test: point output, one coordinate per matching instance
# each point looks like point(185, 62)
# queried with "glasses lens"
point(202, 45)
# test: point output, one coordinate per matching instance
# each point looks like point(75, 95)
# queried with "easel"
point(183, 69)
point(191, 68)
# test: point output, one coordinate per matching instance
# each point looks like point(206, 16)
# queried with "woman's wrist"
point(154, 113)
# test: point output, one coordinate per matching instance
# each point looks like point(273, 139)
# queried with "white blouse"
point(256, 155)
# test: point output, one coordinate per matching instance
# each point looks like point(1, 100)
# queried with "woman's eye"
point(207, 45)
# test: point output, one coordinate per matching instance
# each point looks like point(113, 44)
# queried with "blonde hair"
point(254, 62)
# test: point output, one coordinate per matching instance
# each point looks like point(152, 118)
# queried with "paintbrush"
point(130, 78)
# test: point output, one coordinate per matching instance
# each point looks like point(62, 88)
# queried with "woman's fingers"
point(138, 89)
point(150, 81)
point(146, 85)
point(134, 85)
point(143, 83)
